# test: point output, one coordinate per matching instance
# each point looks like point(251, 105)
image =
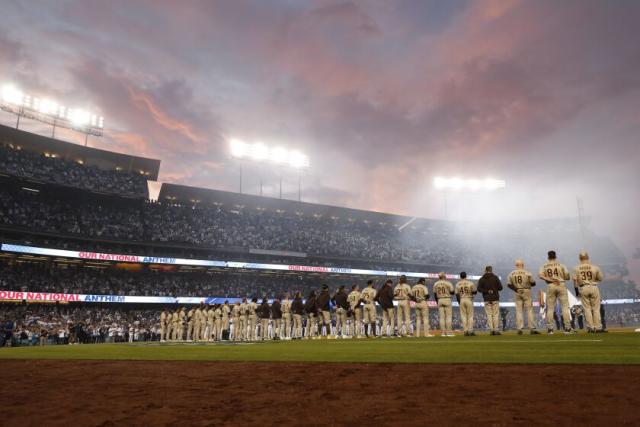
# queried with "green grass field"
point(613, 348)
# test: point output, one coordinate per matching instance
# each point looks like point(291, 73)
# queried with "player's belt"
point(587, 284)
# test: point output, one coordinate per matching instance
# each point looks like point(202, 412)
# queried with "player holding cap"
point(340, 300)
point(521, 281)
point(490, 286)
point(252, 307)
point(420, 295)
point(401, 294)
point(465, 290)
point(555, 274)
point(443, 289)
point(164, 316)
point(235, 320)
point(384, 297)
point(587, 277)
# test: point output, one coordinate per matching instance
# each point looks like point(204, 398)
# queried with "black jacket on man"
point(340, 300)
point(310, 306)
point(264, 312)
point(276, 310)
point(323, 300)
point(384, 297)
point(489, 286)
point(297, 307)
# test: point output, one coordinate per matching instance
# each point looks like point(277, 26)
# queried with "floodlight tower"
point(276, 157)
point(447, 185)
point(45, 110)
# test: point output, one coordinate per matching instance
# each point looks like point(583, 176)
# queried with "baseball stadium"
point(319, 213)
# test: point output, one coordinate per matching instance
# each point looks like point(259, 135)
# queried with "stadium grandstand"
point(78, 221)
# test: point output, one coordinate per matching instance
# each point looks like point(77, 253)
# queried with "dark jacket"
point(323, 300)
point(489, 286)
point(276, 310)
point(264, 311)
point(384, 297)
point(310, 306)
point(340, 300)
point(297, 307)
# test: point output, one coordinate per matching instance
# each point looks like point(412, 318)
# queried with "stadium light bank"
point(276, 156)
point(45, 110)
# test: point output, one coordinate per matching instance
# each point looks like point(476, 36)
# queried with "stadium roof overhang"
point(103, 159)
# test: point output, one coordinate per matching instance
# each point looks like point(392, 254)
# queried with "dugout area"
point(577, 379)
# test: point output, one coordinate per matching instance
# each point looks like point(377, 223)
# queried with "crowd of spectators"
point(224, 228)
point(55, 170)
point(54, 324)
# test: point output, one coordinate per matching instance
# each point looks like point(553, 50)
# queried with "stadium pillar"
point(18, 122)
point(260, 186)
point(299, 188)
point(240, 178)
point(281, 186)
point(86, 139)
point(53, 131)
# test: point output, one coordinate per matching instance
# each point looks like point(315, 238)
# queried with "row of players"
point(356, 312)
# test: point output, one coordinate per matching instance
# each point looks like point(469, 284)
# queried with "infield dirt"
point(114, 393)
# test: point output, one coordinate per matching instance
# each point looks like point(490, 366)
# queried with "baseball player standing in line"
point(218, 322)
point(264, 313)
point(443, 289)
point(490, 286)
point(420, 296)
point(323, 302)
point(252, 309)
point(311, 309)
point(465, 290)
point(402, 293)
point(235, 321)
point(297, 307)
point(244, 320)
point(211, 323)
point(587, 277)
point(355, 301)
point(203, 323)
point(191, 321)
point(163, 325)
point(340, 300)
point(182, 322)
point(555, 274)
point(384, 297)
point(200, 320)
point(521, 281)
point(276, 316)
point(226, 310)
point(368, 296)
point(286, 317)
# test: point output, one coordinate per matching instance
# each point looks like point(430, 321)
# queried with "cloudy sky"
point(382, 95)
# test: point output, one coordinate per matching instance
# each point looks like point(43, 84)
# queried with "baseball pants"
point(297, 325)
point(422, 319)
point(311, 325)
point(404, 317)
point(445, 314)
point(388, 319)
point(558, 292)
point(590, 298)
point(492, 308)
point(524, 304)
point(466, 314)
point(356, 322)
point(341, 322)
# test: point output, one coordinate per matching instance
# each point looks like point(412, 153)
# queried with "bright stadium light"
point(487, 184)
point(14, 100)
point(260, 152)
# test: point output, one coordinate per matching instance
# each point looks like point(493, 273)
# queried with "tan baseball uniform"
point(465, 290)
point(401, 294)
point(553, 270)
point(420, 294)
point(522, 280)
point(443, 290)
point(369, 309)
point(211, 324)
point(226, 310)
point(244, 321)
point(356, 320)
point(235, 321)
point(251, 308)
point(286, 317)
point(163, 326)
point(587, 277)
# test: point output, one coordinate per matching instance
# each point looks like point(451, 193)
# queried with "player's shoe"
point(519, 331)
point(549, 331)
point(534, 332)
point(472, 334)
point(498, 333)
point(431, 336)
point(567, 332)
